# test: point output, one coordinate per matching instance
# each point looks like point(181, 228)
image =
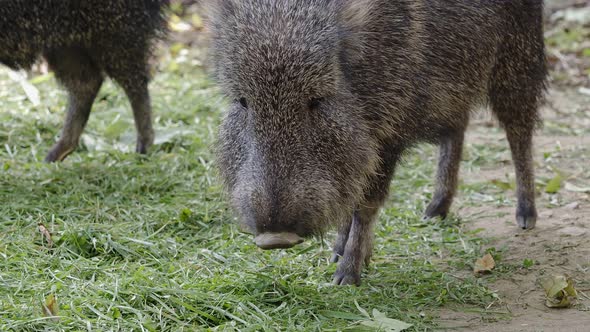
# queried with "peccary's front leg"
point(359, 246)
point(354, 244)
point(341, 240)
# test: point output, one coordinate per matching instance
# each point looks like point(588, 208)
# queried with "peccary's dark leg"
point(520, 140)
point(358, 247)
point(82, 79)
point(516, 108)
point(447, 175)
point(359, 243)
point(518, 114)
point(142, 112)
point(341, 240)
point(516, 91)
point(130, 70)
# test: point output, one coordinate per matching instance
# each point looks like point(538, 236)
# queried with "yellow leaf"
point(484, 264)
point(554, 184)
point(503, 184)
point(176, 24)
point(46, 234)
point(197, 21)
point(560, 291)
point(50, 307)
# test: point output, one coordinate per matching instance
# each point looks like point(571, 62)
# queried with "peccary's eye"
point(243, 102)
point(314, 103)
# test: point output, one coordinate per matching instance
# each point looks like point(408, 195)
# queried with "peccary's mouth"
point(269, 241)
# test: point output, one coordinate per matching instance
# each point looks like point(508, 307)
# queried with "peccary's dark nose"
point(283, 240)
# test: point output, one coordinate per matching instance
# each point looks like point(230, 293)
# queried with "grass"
point(147, 243)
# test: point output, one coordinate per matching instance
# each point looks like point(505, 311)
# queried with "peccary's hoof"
point(346, 278)
point(144, 141)
point(58, 152)
point(142, 148)
point(51, 157)
point(526, 222)
point(526, 216)
point(335, 257)
point(277, 240)
point(436, 208)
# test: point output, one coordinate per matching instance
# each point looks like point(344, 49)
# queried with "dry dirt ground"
point(560, 242)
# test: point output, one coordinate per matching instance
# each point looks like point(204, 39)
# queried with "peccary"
point(82, 41)
point(328, 94)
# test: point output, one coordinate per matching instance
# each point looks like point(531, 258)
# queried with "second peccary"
point(328, 94)
point(82, 41)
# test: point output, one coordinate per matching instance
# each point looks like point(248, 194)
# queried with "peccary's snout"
point(282, 240)
point(283, 213)
point(277, 221)
point(270, 221)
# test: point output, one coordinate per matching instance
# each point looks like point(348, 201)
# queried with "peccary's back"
point(29, 27)
point(426, 63)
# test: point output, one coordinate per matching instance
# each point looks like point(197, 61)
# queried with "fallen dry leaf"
point(554, 184)
point(484, 265)
point(560, 291)
point(46, 234)
point(50, 306)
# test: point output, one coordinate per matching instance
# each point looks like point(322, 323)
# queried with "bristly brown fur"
point(328, 94)
point(82, 41)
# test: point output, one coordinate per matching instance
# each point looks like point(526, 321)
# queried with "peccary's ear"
point(354, 15)
point(219, 21)
point(213, 9)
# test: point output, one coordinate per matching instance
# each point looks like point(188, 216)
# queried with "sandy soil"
point(559, 244)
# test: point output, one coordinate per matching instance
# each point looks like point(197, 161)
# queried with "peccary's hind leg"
point(447, 175)
point(515, 101)
point(516, 91)
point(130, 70)
point(521, 140)
point(142, 112)
point(518, 117)
point(355, 248)
point(82, 79)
